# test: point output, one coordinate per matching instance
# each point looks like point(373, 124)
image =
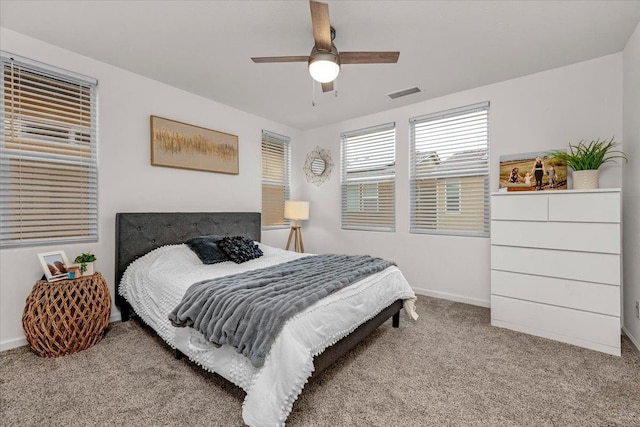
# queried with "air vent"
point(404, 92)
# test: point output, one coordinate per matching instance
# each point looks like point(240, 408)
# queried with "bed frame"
point(140, 233)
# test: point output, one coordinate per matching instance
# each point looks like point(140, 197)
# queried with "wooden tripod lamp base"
point(296, 211)
point(296, 235)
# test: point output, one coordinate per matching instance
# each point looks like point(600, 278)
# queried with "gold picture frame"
point(180, 145)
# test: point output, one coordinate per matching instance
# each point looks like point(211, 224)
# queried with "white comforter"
point(155, 283)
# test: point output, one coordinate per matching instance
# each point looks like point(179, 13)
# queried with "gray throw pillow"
point(206, 247)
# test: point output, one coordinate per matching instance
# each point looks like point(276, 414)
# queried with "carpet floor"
point(450, 368)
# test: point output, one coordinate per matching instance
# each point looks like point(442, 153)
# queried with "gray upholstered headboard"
point(140, 233)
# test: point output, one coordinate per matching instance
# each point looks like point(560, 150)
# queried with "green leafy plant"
point(590, 156)
point(83, 259)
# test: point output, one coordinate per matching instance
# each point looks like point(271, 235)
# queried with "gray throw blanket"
point(248, 310)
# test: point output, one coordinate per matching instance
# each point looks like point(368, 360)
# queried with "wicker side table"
point(67, 316)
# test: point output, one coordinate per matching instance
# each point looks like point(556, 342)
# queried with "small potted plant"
point(586, 158)
point(86, 261)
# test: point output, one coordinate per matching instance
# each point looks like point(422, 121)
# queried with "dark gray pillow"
point(206, 247)
point(240, 249)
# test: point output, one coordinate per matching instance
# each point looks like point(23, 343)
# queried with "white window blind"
point(369, 178)
point(48, 159)
point(276, 163)
point(450, 172)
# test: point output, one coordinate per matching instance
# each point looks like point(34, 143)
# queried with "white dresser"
point(556, 265)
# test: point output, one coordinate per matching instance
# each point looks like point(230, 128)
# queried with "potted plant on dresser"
point(86, 261)
point(586, 158)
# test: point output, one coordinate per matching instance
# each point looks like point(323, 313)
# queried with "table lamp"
point(296, 211)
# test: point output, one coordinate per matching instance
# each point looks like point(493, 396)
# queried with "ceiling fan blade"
point(321, 26)
point(369, 57)
point(327, 87)
point(265, 59)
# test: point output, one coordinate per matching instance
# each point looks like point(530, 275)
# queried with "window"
point(368, 178)
point(48, 155)
point(276, 163)
point(452, 195)
point(450, 172)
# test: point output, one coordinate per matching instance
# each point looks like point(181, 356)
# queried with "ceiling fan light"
point(324, 71)
point(324, 67)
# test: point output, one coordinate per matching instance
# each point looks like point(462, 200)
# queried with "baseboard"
point(14, 343)
point(19, 342)
point(635, 342)
point(452, 297)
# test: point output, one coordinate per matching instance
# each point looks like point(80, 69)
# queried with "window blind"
point(276, 163)
point(48, 158)
point(450, 172)
point(368, 178)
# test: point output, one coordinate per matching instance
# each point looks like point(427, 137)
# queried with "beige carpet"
point(451, 368)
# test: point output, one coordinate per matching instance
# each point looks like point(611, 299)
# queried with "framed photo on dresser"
point(536, 171)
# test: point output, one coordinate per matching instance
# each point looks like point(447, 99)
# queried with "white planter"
point(89, 271)
point(586, 180)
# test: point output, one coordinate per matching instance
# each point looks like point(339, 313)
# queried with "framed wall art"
point(536, 171)
point(181, 145)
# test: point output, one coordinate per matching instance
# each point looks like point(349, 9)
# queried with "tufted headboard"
point(140, 233)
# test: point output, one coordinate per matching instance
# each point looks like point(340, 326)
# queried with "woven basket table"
point(67, 316)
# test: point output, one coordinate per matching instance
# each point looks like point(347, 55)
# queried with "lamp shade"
point(296, 210)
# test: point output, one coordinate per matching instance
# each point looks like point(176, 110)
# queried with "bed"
point(145, 241)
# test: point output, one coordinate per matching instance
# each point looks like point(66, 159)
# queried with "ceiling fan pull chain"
point(313, 92)
point(335, 88)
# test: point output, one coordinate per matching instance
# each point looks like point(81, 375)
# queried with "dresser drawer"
point(594, 297)
point(577, 327)
point(530, 207)
point(585, 207)
point(574, 236)
point(583, 266)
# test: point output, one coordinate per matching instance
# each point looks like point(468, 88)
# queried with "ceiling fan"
point(325, 60)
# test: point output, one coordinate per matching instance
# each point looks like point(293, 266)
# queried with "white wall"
point(631, 185)
point(537, 112)
point(127, 181)
point(533, 113)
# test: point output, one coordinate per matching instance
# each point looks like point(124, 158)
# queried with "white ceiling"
point(445, 46)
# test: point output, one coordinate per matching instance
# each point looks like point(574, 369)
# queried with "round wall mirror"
point(318, 165)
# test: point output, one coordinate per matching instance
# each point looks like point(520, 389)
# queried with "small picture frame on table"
point(54, 265)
